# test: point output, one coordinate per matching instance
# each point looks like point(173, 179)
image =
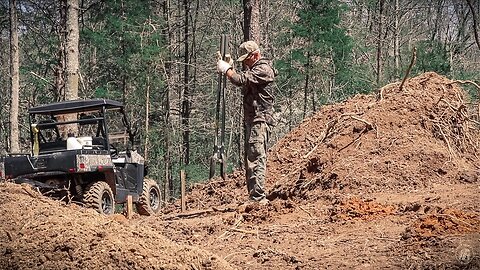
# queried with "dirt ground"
point(388, 181)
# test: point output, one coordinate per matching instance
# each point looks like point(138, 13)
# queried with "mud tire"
point(150, 201)
point(99, 196)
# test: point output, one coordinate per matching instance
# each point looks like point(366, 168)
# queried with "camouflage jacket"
point(257, 89)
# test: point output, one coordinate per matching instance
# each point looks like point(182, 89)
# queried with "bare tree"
point(168, 73)
point(251, 20)
point(14, 79)
point(72, 57)
point(396, 42)
point(380, 40)
point(475, 26)
point(186, 97)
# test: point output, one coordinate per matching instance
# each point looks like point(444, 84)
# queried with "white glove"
point(223, 66)
point(229, 59)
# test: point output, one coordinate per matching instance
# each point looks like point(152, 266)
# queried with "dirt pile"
point(424, 134)
point(354, 208)
point(40, 233)
point(444, 222)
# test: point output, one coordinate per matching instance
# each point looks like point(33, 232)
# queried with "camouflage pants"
point(256, 138)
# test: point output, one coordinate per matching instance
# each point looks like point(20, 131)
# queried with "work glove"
point(229, 59)
point(224, 65)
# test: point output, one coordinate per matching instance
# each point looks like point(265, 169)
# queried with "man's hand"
point(229, 59)
point(223, 66)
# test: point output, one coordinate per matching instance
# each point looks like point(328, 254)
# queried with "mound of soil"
point(39, 233)
point(447, 221)
point(354, 208)
point(409, 138)
point(426, 133)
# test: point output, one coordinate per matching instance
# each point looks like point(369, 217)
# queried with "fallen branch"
point(191, 214)
point(29, 191)
point(324, 135)
point(356, 139)
point(235, 226)
point(243, 231)
point(311, 151)
point(198, 213)
point(309, 214)
point(35, 194)
point(446, 141)
point(369, 125)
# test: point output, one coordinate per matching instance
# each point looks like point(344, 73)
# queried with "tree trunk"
point(186, 88)
point(396, 44)
point(475, 26)
point(267, 39)
point(14, 79)
point(59, 90)
point(251, 20)
point(305, 89)
point(72, 57)
point(168, 182)
point(147, 112)
point(379, 41)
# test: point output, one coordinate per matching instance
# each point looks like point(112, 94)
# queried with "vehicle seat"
point(50, 147)
point(99, 143)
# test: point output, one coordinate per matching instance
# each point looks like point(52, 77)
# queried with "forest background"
point(158, 58)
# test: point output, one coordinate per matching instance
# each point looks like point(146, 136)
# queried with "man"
point(258, 100)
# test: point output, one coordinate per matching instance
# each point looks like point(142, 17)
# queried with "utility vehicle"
point(82, 152)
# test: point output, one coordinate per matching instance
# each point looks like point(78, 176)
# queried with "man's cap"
point(246, 49)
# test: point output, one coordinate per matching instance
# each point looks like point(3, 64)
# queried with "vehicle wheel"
point(151, 200)
point(99, 196)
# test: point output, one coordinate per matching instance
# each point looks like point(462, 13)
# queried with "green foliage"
point(127, 44)
point(470, 75)
point(324, 51)
point(431, 56)
point(156, 155)
point(197, 172)
point(356, 79)
point(100, 92)
point(318, 25)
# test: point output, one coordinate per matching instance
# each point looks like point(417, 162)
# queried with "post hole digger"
point(219, 155)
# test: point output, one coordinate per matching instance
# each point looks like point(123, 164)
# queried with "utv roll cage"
point(51, 121)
